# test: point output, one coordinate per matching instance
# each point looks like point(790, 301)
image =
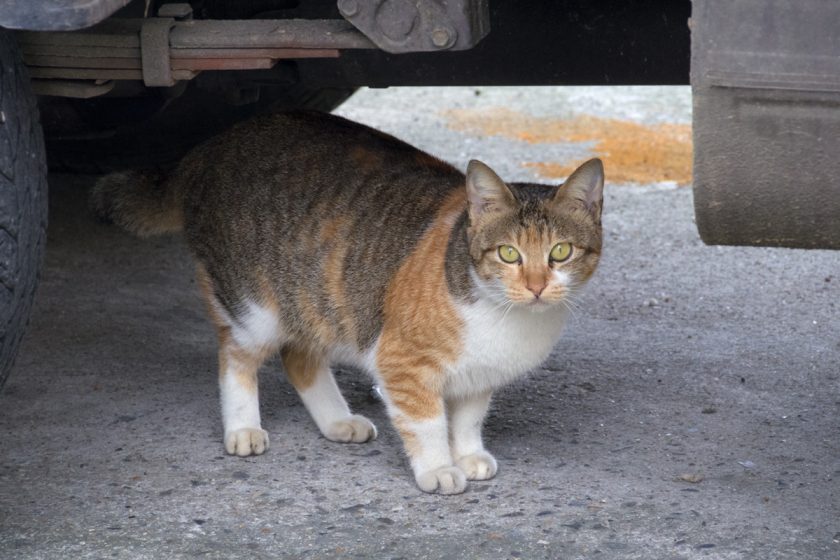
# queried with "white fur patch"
point(432, 438)
point(466, 416)
point(349, 356)
point(560, 278)
point(324, 402)
point(500, 344)
point(240, 406)
point(256, 327)
point(330, 412)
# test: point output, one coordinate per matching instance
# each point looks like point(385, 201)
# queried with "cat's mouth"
point(538, 305)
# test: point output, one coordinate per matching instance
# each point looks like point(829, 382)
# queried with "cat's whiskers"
point(574, 299)
point(495, 294)
point(486, 313)
point(572, 302)
point(570, 307)
point(507, 310)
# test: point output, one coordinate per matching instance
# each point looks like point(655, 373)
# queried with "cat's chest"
point(499, 346)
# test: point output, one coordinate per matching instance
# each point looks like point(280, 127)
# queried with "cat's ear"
point(586, 185)
point(486, 192)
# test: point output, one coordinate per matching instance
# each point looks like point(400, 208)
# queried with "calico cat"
point(328, 241)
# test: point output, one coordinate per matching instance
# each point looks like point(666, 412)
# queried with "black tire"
point(23, 200)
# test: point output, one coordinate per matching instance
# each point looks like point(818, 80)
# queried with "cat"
point(328, 241)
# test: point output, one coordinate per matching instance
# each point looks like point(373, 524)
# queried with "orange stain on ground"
point(632, 152)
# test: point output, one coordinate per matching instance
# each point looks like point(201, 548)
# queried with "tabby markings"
point(334, 241)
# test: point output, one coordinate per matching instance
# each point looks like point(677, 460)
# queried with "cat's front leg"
point(466, 416)
point(418, 413)
point(426, 444)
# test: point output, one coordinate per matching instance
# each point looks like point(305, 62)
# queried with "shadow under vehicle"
point(100, 85)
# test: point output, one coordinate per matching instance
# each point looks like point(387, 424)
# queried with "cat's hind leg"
point(244, 344)
point(240, 399)
point(310, 374)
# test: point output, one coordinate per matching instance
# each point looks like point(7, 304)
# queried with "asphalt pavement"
point(692, 410)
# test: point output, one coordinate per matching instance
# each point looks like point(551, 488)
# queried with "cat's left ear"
point(586, 185)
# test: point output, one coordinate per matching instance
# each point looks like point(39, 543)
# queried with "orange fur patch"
point(632, 152)
point(301, 366)
point(205, 286)
point(314, 221)
point(535, 273)
point(244, 365)
point(332, 229)
point(267, 296)
point(365, 159)
point(422, 330)
point(334, 244)
point(409, 438)
point(323, 331)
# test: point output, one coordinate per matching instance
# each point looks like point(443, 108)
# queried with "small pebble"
point(375, 394)
point(693, 478)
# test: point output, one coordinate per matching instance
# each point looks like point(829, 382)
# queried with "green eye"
point(509, 254)
point(561, 252)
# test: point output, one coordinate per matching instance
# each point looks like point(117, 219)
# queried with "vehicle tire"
point(23, 200)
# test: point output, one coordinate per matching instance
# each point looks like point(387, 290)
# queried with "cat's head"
point(533, 245)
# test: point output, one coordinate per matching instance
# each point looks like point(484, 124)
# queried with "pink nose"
point(536, 290)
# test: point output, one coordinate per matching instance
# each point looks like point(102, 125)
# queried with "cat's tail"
point(142, 202)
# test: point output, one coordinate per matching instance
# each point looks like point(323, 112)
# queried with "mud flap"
point(765, 78)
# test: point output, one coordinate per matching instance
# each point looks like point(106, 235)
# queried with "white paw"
point(355, 429)
point(478, 466)
point(246, 441)
point(444, 480)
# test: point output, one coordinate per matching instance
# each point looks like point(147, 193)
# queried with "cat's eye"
point(509, 254)
point(561, 252)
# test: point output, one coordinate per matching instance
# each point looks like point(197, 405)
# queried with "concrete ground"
point(691, 411)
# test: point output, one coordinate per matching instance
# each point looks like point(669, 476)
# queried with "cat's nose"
point(536, 289)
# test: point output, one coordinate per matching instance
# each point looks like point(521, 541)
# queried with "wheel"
point(23, 200)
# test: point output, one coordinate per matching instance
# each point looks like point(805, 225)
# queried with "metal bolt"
point(181, 12)
point(396, 19)
point(2, 117)
point(348, 8)
point(441, 38)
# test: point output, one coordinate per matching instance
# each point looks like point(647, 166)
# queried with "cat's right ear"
point(586, 185)
point(486, 192)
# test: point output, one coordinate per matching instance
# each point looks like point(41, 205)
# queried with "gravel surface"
point(691, 411)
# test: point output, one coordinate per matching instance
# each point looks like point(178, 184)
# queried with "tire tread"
point(23, 201)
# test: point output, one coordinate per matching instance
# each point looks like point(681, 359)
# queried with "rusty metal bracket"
point(164, 50)
point(154, 49)
point(401, 26)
